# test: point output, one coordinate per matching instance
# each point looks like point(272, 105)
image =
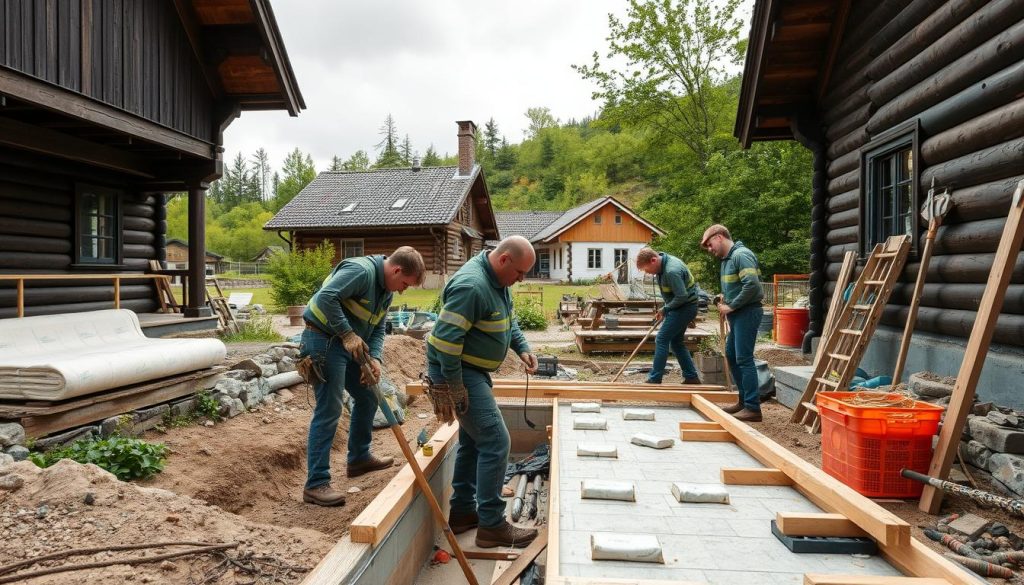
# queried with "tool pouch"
point(448, 400)
point(309, 370)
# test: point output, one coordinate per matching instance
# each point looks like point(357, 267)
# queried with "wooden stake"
point(721, 344)
point(977, 348)
point(638, 346)
point(836, 305)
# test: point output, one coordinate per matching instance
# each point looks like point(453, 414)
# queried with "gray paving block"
point(999, 439)
point(700, 493)
point(638, 548)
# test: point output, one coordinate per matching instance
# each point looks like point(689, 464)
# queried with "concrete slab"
point(720, 543)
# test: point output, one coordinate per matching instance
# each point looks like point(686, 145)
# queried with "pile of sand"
point(405, 357)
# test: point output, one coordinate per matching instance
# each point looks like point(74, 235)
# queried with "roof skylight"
point(399, 204)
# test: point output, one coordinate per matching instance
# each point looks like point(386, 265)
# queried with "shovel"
point(933, 211)
point(421, 480)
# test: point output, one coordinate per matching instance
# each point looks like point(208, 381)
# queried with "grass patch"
point(257, 328)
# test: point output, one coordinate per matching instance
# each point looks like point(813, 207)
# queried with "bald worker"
point(472, 336)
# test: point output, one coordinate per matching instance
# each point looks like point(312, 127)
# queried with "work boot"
point(504, 534)
point(691, 380)
point(460, 523)
point(734, 408)
point(323, 495)
point(368, 465)
point(747, 415)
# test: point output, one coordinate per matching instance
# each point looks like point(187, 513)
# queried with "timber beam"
point(594, 391)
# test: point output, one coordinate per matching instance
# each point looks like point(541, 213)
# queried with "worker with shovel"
point(345, 326)
point(472, 336)
point(679, 291)
point(741, 304)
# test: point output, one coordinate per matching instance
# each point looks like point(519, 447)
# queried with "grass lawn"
point(424, 298)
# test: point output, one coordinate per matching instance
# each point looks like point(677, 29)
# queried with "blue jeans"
point(670, 336)
point(484, 445)
point(339, 372)
point(739, 352)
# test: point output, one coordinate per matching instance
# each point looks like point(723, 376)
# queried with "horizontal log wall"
point(37, 237)
point(429, 246)
point(957, 67)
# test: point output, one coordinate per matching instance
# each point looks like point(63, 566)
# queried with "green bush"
point(257, 328)
point(207, 406)
point(124, 457)
point(530, 316)
point(295, 277)
point(437, 305)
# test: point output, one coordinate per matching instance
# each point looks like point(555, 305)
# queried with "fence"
point(243, 268)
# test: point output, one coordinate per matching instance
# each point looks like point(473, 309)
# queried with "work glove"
point(355, 346)
point(370, 375)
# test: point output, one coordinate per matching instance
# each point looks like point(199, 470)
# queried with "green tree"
point(430, 158)
point(492, 138)
point(506, 158)
point(406, 151)
point(336, 164)
point(540, 118)
point(298, 171)
point(359, 161)
point(388, 148)
point(261, 173)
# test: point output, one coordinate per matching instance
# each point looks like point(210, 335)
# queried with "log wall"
point(37, 237)
point(957, 68)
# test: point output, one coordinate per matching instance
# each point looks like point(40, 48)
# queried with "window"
point(457, 248)
point(597, 218)
point(399, 204)
point(890, 199)
point(618, 219)
point(348, 208)
point(351, 248)
point(98, 226)
point(594, 258)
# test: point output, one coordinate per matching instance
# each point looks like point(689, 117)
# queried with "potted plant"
point(295, 277)
point(710, 360)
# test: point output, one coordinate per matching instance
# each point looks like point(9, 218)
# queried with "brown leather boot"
point(460, 523)
point(747, 415)
point(368, 465)
point(504, 534)
point(734, 408)
point(691, 380)
point(323, 495)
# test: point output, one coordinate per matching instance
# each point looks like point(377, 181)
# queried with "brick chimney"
point(467, 147)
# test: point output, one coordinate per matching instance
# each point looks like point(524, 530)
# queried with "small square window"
point(618, 219)
point(98, 219)
point(597, 218)
point(351, 248)
point(594, 258)
point(399, 204)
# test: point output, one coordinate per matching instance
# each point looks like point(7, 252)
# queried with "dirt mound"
point(777, 357)
point(49, 513)
point(512, 367)
point(404, 358)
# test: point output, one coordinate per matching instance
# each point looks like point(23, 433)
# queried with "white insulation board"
point(597, 450)
point(645, 440)
point(603, 489)
point(700, 493)
point(589, 423)
point(639, 548)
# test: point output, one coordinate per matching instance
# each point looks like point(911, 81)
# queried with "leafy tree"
point(359, 161)
point(540, 118)
point(389, 155)
point(430, 158)
point(299, 171)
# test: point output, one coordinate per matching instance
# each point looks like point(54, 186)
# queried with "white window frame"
point(595, 261)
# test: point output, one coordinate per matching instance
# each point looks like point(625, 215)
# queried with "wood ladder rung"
point(886, 255)
point(827, 382)
point(839, 356)
point(810, 406)
point(851, 332)
point(875, 282)
point(863, 307)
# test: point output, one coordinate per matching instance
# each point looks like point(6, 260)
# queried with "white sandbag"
point(590, 407)
point(637, 414)
point(700, 493)
point(603, 489)
point(645, 440)
point(640, 548)
point(590, 423)
point(597, 450)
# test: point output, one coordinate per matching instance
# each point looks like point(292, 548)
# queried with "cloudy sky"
point(428, 64)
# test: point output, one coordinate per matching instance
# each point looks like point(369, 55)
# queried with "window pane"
point(906, 209)
point(905, 165)
point(97, 227)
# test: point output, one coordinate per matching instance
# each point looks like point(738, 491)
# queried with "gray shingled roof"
point(433, 193)
point(568, 217)
point(524, 223)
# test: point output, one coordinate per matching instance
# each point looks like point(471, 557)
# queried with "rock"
point(250, 365)
point(976, 454)
point(265, 420)
point(999, 439)
point(6, 459)
point(421, 415)
point(278, 353)
point(998, 529)
point(241, 375)
point(116, 425)
point(235, 408)
point(262, 359)
point(284, 380)
point(921, 386)
point(148, 418)
point(957, 476)
point(11, 482)
point(970, 525)
point(83, 433)
point(183, 408)
point(982, 408)
point(390, 391)
point(286, 364)
point(269, 370)
point(18, 452)
point(354, 490)
point(42, 511)
point(11, 434)
point(285, 395)
point(89, 499)
point(208, 423)
point(1009, 470)
point(229, 386)
point(167, 566)
point(1003, 420)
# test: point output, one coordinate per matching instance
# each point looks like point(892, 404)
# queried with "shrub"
point(295, 277)
point(530, 316)
point(124, 457)
point(207, 406)
point(257, 328)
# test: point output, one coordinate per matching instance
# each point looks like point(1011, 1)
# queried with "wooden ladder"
point(219, 304)
point(164, 293)
point(844, 346)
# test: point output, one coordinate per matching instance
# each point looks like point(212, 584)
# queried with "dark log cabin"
point(443, 212)
point(890, 96)
point(105, 106)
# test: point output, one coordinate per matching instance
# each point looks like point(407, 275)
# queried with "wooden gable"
point(606, 229)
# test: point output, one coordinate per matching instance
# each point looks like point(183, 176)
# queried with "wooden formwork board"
point(673, 393)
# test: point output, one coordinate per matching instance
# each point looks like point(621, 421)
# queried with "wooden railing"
point(117, 278)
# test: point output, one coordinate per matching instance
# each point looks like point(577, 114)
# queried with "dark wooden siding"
point(36, 237)
point(958, 69)
point(131, 54)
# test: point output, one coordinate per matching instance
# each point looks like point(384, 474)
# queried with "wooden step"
point(863, 307)
point(827, 382)
point(810, 406)
point(875, 282)
point(839, 356)
point(851, 331)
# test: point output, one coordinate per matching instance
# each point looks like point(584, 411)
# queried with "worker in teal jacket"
point(471, 338)
point(741, 305)
point(344, 326)
point(679, 291)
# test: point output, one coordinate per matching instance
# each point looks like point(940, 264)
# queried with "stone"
point(229, 386)
point(116, 425)
point(646, 440)
point(254, 391)
point(167, 566)
point(184, 408)
point(18, 452)
point(42, 511)
point(1001, 419)
point(982, 408)
point(67, 437)
point(89, 499)
point(235, 408)
point(970, 525)
point(589, 423)
point(278, 353)
point(241, 375)
point(11, 482)
point(999, 439)
point(6, 459)
point(700, 493)
point(250, 365)
point(976, 454)
point(148, 418)
point(599, 489)
point(421, 415)
point(998, 529)
point(11, 434)
point(922, 387)
point(957, 476)
point(284, 380)
point(269, 370)
point(286, 365)
point(285, 395)
point(637, 414)
point(354, 490)
point(208, 423)
point(394, 398)
point(1009, 470)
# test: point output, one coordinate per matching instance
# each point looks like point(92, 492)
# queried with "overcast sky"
point(428, 64)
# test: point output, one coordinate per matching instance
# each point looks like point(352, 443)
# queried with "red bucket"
point(791, 324)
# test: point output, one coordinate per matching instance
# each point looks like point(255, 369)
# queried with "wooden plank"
point(796, 524)
point(816, 579)
point(519, 565)
point(754, 476)
point(836, 305)
point(892, 533)
point(374, 522)
point(706, 436)
point(45, 141)
point(977, 348)
point(41, 425)
point(554, 499)
point(702, 425)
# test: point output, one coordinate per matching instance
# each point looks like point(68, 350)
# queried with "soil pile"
point(404, 359)
point(71, 505)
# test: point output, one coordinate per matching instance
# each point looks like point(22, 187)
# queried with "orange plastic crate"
point(865, 447)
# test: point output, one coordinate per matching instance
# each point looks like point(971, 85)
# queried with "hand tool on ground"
point(638, 346)
point(934, 210)
point(519, 501)
point(421, 480)
point(722, 333)
point(1012, 506)
point(533, 505)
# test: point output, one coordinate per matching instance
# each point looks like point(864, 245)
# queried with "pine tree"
point(261, 173)
point(406, 151)
point(491, 138)
point(336, 164)
point(506, 158)
point(299, 171)
point(430, 158)
point(389, 156)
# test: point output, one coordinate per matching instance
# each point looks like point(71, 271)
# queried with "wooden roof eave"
point(760, 25)
point(282, 66)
